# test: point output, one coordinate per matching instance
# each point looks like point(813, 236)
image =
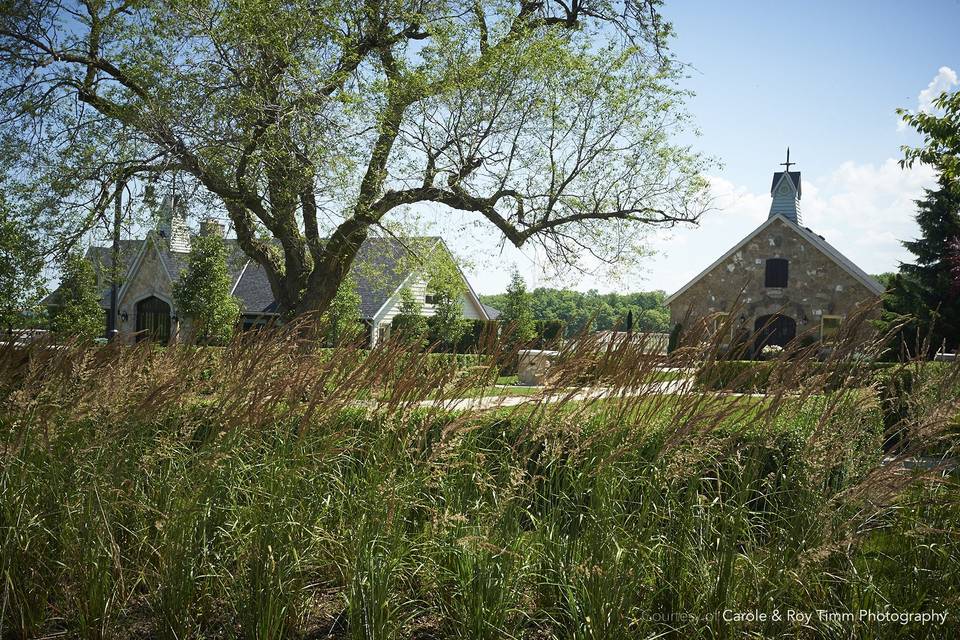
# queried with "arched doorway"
point(774, 329)
point(153, 320)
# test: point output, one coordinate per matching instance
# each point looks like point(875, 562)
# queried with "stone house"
point(782, 281)
point(152, 264)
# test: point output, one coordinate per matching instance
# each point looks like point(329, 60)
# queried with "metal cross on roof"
point(788, 163)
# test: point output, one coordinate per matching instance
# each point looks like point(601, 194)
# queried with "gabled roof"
point(825, 247)
point(865, 279)
point(380, 267)
point(423, 247)
point(130, 253)
point(794, 178)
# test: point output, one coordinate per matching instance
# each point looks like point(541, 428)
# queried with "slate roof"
point(380, 268)
point(253, 290)
point(102, 260)
point(492, 313)
point(794, 176)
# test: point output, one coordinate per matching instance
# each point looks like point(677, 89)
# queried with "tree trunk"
point(333, 267)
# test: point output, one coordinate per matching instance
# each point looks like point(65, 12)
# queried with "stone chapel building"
point(781, 281)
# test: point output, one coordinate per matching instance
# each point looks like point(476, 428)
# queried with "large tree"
point(311, 122)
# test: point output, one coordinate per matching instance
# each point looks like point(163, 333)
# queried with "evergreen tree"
point(410, 325)
point(517, 311)
point(77, 311)
point(203, 292)
point(925, 292)
point(446, 324)
point(445, 282)
point(342, 319)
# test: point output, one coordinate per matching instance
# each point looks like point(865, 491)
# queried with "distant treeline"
point(593, 310)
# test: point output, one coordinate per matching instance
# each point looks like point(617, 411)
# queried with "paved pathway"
point(556, 395)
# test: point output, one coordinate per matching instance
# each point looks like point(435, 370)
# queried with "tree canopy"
point(940, 129)
point(593, 311)
point(20, 267)
point(76, 308)
point(314, 125)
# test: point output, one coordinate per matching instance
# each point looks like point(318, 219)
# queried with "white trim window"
point(830, 328)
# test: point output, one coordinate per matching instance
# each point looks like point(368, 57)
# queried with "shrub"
point(410, 325)
point(741, 376)
point(409, 329)
point(480, 336)
point(905, 390)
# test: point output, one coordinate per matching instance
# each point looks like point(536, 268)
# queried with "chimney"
point(212, 227)
point(173, 224)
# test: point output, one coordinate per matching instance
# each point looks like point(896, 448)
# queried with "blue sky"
point(824, 78)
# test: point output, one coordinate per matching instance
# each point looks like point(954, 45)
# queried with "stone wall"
point(817, 285)
point(534, 366)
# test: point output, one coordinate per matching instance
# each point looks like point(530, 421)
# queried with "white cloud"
point(732, 200)
point(945, 79)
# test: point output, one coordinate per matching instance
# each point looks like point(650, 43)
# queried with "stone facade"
point(534, 365)
point(148, 279)
point(818, 286)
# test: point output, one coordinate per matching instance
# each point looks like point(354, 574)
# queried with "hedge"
point(741, 376)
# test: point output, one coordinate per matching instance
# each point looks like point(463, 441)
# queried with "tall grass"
point(272, 490)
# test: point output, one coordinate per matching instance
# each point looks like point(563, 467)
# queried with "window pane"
point(776, 274)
